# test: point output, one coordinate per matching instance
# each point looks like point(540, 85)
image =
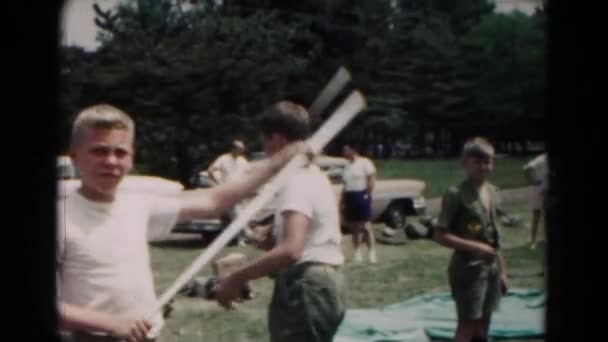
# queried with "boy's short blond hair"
point(478, 147)
point(101, 116)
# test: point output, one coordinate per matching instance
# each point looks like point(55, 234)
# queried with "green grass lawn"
point(404, 271)
point(439, 174)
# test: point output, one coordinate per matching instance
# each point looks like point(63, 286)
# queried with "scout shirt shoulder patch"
point(474, 227)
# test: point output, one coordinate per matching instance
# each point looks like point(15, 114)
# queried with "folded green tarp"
point(422, 318)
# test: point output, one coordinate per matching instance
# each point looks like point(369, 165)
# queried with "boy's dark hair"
point(286, 118)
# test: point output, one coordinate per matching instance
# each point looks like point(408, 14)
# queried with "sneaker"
point(372, 257)
point(533, 246)
point(358, 257)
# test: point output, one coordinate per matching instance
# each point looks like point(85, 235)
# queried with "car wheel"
point(345, 229)
point(208, 237)
point(395, 216)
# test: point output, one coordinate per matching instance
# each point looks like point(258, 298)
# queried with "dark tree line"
point(193, 77)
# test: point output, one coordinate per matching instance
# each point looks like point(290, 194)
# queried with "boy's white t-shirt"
point(103, 255)
point(356, 173)
point(230, 167)
point(309, 192)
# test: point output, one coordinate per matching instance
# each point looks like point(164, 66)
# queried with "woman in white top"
point(537, 174)
point(356, 202)
point(227, 167)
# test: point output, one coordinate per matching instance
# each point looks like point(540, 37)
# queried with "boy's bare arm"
point(453, 241)
point(371, 183)
point(504, 281)
point(286, 253)
point(217, 200)
point(262, 237)
point(503, 265)
point(73, 318)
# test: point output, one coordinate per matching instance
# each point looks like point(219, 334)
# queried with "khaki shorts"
point(308, 303)
point(475, 288)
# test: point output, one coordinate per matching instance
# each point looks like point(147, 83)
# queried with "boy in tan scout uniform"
point(469, 224)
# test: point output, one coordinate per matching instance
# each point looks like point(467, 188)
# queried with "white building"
point(525, 6)
point(78, 21)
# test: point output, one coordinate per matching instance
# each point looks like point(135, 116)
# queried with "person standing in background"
point(537, 175)
point(226, 167)
point(229, 165)
point(356, 201)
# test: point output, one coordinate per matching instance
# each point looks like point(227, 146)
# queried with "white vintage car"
point(393, 200)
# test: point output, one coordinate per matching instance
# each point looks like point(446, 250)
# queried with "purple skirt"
point(357, 206)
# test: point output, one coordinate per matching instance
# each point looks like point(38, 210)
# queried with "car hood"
point(393, 188)
point(413, 187)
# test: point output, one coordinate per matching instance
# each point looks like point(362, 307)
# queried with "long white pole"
point(354, 104)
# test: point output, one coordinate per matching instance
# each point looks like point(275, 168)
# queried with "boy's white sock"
point(358, 257)
point(373, 258)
